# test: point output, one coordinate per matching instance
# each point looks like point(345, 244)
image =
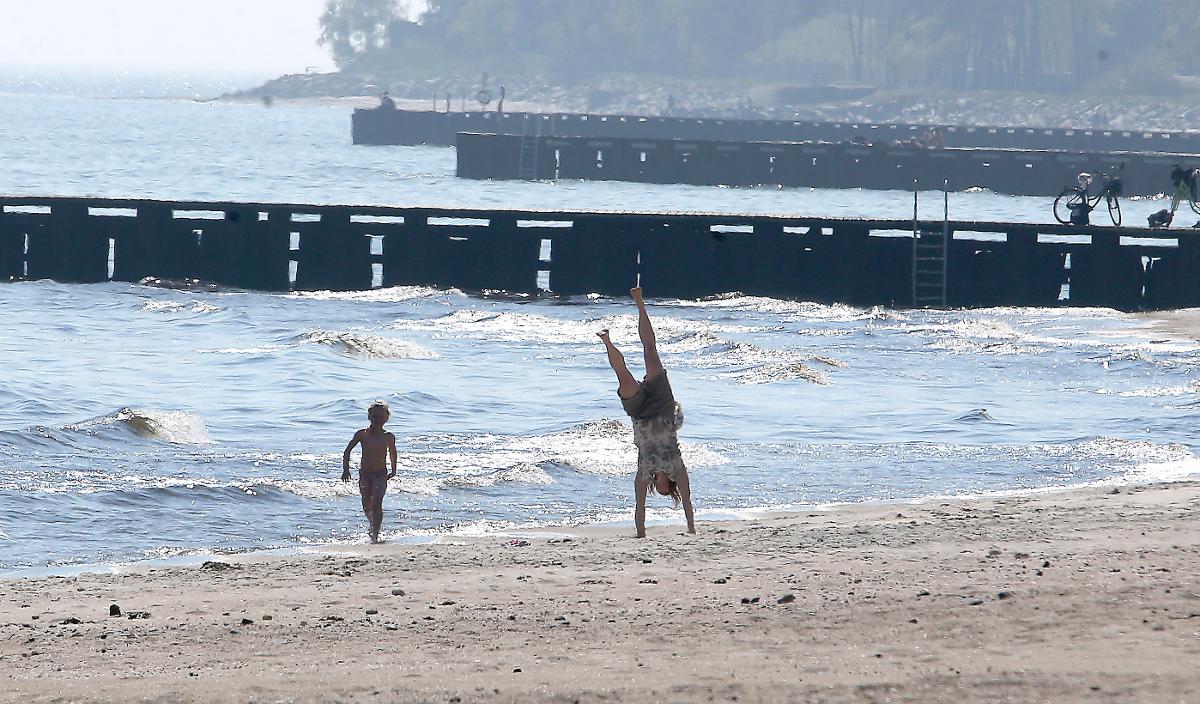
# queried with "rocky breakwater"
point(649, 95)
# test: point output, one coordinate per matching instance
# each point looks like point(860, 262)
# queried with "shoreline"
point(606, 529)
point(1178, 322)
point(1077, 596)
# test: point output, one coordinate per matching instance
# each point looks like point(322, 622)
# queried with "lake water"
point(139, 422)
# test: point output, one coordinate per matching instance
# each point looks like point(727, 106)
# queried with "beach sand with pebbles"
point(1086, 595)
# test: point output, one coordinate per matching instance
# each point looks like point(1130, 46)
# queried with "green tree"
point(1031, 45)
point(351, 28)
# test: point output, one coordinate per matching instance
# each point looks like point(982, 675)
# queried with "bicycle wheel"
point(1058, 213)
point(1114, 209)
point(1195, 206)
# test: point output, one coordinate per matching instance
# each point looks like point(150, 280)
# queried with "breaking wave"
point(176, 427)
point(374, 346)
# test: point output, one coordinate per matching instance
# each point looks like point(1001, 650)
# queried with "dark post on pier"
point(280, 247)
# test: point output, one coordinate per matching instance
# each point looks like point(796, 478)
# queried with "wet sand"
point(1088, 595)
point(1184, 322)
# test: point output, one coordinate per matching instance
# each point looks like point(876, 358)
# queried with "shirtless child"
point(377, 445)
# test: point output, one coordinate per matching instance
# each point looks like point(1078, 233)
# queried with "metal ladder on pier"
point(929, 259)
point(929, 269)
point(527, 169)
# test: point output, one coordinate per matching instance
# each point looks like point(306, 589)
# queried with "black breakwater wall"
point(808, 164)
point(279, 247)
point(375, 126)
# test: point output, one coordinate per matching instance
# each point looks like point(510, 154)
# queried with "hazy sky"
point(206, 37)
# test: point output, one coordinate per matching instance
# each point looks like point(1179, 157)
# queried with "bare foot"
point(636, 293)
point(603, 335)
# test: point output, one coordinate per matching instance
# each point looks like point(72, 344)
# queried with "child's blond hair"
point(376, 407)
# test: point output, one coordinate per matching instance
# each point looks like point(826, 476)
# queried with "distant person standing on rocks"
point(378, 445)
point(386, 102)
point(656, 419)
point(933, 139)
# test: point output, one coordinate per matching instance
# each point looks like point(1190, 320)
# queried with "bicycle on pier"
point(1075, 204)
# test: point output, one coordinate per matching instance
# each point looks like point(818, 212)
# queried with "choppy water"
point(142, 422)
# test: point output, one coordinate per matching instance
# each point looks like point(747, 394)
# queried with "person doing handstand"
point(378, 445)
point(656, 417)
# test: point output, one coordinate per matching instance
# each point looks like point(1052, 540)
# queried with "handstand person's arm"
point(346, 455)
point(683, 483)
point(640, 488)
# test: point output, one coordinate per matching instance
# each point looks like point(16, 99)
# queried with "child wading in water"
point(656, 418)
point(377, 446)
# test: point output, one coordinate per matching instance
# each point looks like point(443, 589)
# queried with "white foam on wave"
point(1012, 332)
point(1190, 389)
point(530, 327)
point(1170, 471)
point(176, 427)
point(393, 294)
point(1128, 452)
point(508, 327)
point(599, 447)
point(363, 345)
point(762, 366)
point(791, 310)
point(179, 307)
point(329, 488)
point(521, 473)
point(268, 349)
point(1057, 313)
point(674, 342)
point(982, 336)
point(783, 371)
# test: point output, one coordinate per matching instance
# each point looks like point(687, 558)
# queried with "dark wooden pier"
point(805, 164)
point(378, 126)
point(279, 247)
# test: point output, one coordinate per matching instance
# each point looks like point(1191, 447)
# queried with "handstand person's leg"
point(627, 386)
point(654, 365)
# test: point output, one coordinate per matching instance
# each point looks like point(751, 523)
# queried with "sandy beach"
point(1184, 322)
point(1087, 595)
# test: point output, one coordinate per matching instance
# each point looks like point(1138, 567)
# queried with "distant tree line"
point(1026, 45)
